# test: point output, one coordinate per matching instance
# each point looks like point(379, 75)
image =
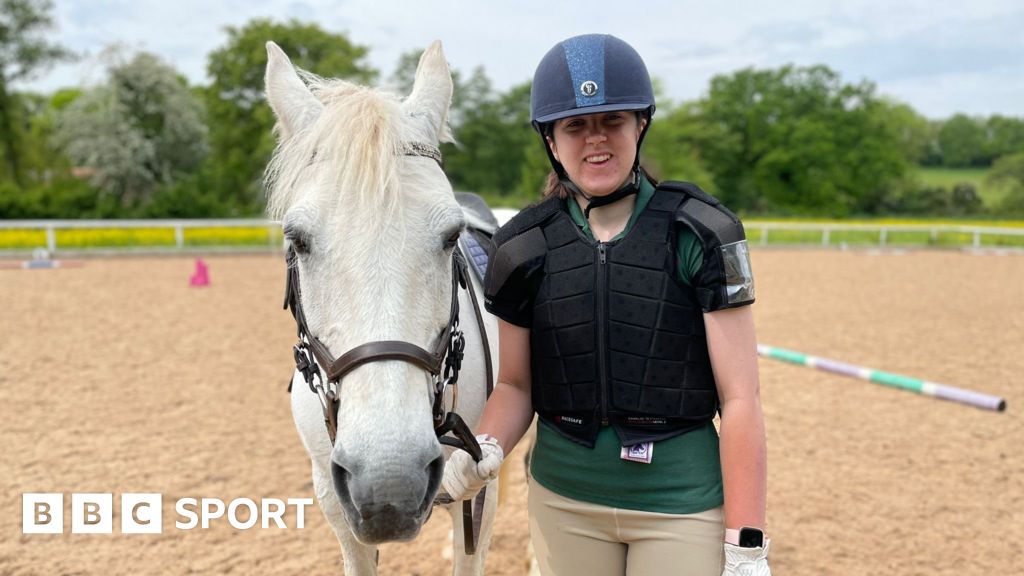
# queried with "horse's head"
point(373, 228)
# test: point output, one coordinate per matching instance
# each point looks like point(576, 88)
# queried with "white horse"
point(373, 227)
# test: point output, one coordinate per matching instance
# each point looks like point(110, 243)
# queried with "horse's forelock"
point(354, 142)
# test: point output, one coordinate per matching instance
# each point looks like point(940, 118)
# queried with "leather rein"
point(443, 363)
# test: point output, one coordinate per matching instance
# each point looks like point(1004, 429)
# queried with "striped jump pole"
point(942, 391)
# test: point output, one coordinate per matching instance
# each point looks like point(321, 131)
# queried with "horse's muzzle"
point(386, 509)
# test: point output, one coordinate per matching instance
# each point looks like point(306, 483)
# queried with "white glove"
point(746, 561)
point(463, 477)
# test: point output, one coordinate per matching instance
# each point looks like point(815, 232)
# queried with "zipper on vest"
point(602, 306)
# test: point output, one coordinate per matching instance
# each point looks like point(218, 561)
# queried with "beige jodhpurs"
point(573, 538)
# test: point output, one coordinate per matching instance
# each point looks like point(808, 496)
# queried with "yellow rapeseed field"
point(114, 237)
point(77, 238)
point(22, 239)
point(232, 236)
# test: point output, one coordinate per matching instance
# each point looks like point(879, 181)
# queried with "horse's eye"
point(452, 239)
point(299, 241)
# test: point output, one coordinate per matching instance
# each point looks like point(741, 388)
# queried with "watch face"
point(751, 538)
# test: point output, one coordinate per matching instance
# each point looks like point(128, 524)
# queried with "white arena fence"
point(759, 233)
point(766, 233)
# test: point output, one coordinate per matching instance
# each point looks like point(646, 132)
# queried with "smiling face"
point(597, 150)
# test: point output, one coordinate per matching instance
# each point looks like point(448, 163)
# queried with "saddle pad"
point(476, 246)
point(480, 225)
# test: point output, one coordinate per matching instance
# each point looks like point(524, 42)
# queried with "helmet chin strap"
point(630, 187)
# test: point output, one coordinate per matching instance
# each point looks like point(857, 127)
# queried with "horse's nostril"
point(435, 467)
point(434, 470)
point(341, 477)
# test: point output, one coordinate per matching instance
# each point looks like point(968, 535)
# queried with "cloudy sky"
point(940, 56)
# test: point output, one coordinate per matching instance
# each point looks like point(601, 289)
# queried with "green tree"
point(240, 122)
point(496, 151)
point(1005, 135)
point(933, 151)
point(23, 150)
point(964, 200)
point(465, 94)
point(51, 190)
point(799, 140)
point(963, 142)
point(671, 149)
point(912, 131)
point(138, 132)
point(493, 133)
point(42, 158)
point(24, 52)
point(1008, 172)
point(532, 174)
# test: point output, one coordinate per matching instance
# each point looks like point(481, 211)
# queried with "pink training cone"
point(201, 277)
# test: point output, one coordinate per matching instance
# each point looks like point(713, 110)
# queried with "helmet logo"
point(588, 88)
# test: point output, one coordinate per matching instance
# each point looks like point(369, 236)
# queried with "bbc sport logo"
point(142, 513)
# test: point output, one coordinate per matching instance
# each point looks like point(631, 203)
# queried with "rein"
point(443, 363)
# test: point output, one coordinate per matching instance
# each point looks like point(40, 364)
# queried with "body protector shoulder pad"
point(726, 279)
point(519, 249)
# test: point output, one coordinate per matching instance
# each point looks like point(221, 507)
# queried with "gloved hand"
point(463, 477)
point(746, 561)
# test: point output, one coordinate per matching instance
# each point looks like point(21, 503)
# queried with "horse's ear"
point(292, 102)
point(432, 91)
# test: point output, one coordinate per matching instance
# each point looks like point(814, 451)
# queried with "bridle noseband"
point(442, 363)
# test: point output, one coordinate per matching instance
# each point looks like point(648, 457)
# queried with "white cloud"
point(972, 54)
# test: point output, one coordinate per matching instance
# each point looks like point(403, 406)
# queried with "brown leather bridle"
point(442, 363)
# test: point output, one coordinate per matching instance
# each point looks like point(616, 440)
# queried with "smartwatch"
point(751, 537)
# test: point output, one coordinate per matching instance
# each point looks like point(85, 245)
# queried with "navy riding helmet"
point(586, 75)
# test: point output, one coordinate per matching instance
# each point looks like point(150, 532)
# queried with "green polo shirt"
point(685, 474)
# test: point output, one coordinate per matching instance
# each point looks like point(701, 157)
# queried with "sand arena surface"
point(117, 377)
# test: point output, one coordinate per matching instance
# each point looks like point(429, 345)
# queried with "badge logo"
point(642, 452)
point(588, 88)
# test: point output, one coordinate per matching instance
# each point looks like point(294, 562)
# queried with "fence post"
point(977, 239)
point(51, 239)
point(882, 236)
point(764, 235)
point(824, 236)
point(179, 236)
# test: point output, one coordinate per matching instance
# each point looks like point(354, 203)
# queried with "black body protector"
point(615, 339)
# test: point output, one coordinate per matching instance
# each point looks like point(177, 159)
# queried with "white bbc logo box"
point(43, 513)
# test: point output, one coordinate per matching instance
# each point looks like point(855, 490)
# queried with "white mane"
point(357, 138)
